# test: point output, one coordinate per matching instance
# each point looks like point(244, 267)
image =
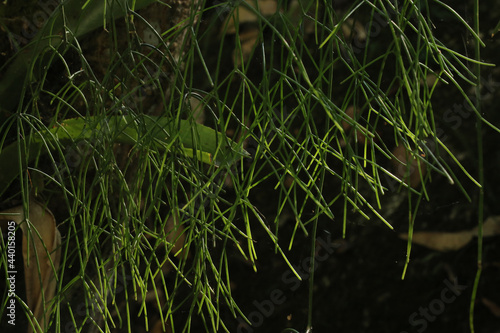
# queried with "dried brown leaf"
point(198, 110)
point(441, 241)
point(248, 39)
point(491, 226)
point(407, 166)
point(451, 241)
point(41, 254)
point(244, 15)
point(354, 28)
point(175, 234)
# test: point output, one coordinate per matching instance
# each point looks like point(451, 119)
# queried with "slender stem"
point(311, 276)
point(480, 169)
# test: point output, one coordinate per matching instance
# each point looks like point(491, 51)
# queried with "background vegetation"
point(196, 155)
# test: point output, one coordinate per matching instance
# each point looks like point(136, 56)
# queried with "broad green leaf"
point(197, 140)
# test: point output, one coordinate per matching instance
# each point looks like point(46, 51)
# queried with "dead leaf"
point(359, 132)
point(248, 37)
point(174, 242)
point(491, 226)
point(452, 241)
point(175, 237)
point(41, 254)
point(175, 234)
point(248, 40)
point(296, 15)
point(198, 110)
point(408, 167)
point(441, 241)
point(244, 15)
point(430, 80)
point(355, 29)
point(352, 114)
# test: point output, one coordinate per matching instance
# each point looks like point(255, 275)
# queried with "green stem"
point(311, 276)
point(480, 169)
